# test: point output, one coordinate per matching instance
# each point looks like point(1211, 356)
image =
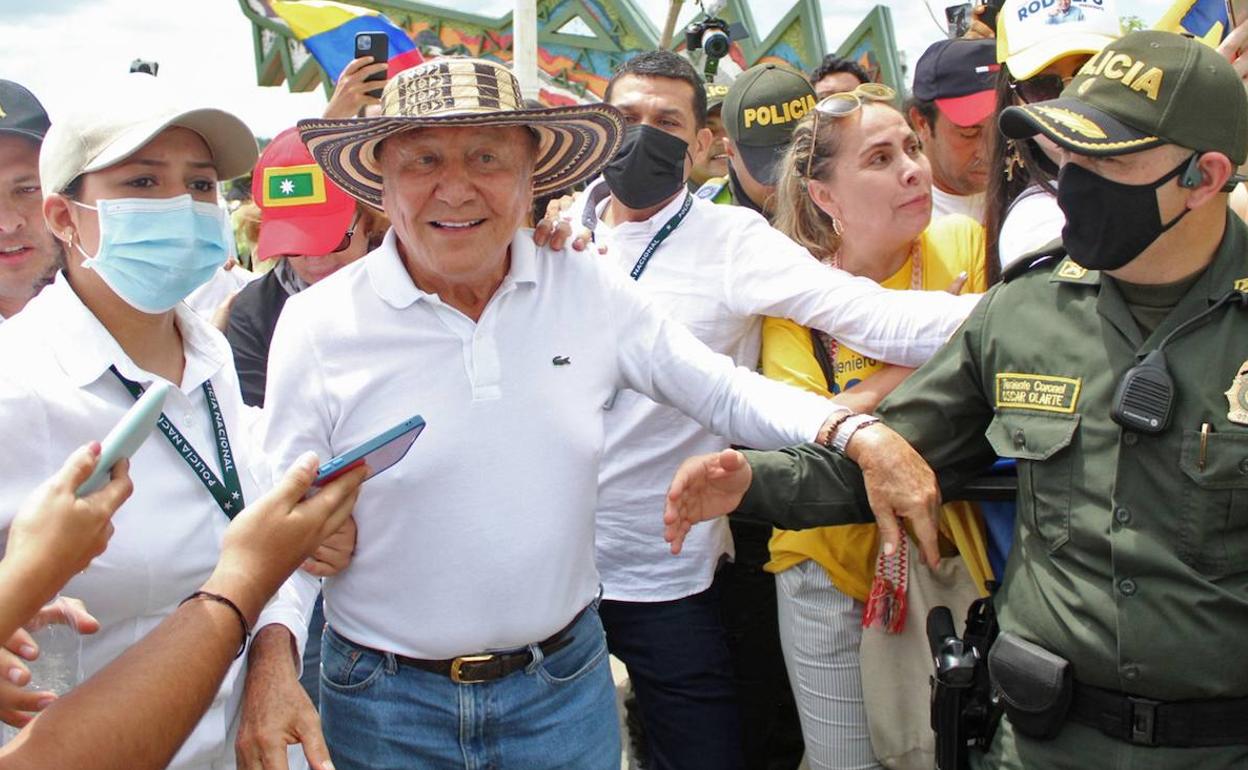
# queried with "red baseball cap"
point(302, 212)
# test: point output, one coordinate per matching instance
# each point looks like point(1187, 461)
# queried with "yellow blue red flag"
point(328, 29)
point(1203, 19)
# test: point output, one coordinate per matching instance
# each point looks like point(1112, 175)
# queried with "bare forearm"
point(139, 709)
point(23, 590)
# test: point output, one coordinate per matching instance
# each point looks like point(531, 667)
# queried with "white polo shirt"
point(56, 394)
point(482, 538)
point(719, 273)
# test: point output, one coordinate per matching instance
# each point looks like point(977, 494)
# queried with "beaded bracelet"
point(242, 620)
point(835, 426)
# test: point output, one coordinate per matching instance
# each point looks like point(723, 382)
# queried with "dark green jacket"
point(1130, 557)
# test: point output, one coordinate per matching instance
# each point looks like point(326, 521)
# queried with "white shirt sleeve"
point(1033, 222)
point(661, 359)
point(296, 420)
point(769, 274)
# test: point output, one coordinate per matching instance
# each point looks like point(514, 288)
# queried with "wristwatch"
point(846, 430)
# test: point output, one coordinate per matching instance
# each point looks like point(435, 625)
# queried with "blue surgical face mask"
point(155, 251)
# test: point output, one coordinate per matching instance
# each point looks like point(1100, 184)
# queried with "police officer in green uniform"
point(1130, 557)
point(760, 111)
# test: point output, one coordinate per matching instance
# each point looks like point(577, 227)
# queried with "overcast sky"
point(58, 48)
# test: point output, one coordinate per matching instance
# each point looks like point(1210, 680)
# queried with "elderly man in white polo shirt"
point(466, 632)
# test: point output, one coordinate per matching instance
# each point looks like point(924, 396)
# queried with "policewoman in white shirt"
point(130, 189)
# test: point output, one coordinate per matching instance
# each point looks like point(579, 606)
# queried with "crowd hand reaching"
point(900, 485)
point(333, 555)
point(978, 29)
point(268, 541)
point(554, 229)
point(56, 534)
point(704, 487)
point(351, 93)
point(17, 705)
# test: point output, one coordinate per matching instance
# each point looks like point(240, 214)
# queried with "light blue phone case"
point(127, 435)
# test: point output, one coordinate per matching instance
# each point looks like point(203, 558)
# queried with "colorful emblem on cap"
point(293, 185)
point(1072, 120)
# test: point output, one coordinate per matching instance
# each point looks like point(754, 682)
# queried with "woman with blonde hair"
point(855, 189)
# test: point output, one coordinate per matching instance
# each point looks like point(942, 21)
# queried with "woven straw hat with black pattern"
point(574, 142)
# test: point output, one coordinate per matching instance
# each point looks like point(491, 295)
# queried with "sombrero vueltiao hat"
point(574, 142)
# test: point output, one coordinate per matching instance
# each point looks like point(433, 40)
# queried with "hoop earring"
point(836, 227)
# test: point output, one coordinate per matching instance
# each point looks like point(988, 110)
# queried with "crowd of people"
point(798, 298)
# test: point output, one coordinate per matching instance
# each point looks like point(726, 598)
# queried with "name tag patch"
point(1041, 392)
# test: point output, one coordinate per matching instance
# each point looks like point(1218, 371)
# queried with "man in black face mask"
point(717, 269)
point(1114, 368)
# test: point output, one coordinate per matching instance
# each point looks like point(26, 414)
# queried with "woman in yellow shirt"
point(855, 190)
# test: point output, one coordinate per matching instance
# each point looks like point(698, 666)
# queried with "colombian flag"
point(1203, 19)
point(328, 29)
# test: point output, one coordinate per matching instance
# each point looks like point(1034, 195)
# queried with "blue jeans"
point(559, 712)
point(678, 661)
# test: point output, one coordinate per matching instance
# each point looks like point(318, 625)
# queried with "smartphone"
point(376, 45)
point(379, 452)
point(959, 19)
point(127, 435)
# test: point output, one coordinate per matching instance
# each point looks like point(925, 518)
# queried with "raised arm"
point(773, 276)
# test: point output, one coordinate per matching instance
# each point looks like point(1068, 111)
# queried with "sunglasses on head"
point(846, 103)
point(1041, 88)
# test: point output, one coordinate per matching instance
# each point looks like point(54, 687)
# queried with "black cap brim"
point(1076, 126)
point(763, 162)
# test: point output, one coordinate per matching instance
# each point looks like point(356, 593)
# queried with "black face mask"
point(1108, 223)
point(648, 169)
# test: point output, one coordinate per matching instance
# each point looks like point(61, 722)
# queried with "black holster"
point(1034, 685)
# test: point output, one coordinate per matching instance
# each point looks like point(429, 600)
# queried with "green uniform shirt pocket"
point(1039, 442)
point(1215, 511)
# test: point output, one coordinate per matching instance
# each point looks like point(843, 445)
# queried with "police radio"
point(1144, 399)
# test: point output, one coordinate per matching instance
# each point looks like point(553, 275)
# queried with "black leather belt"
point(487, 666)
point(1177, 724)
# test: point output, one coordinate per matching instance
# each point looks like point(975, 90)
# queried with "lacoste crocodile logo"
point(561, 361)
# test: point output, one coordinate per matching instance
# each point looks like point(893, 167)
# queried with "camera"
point(144, 66)
point(710, 35)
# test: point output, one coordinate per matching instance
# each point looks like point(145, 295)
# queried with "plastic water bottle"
point(58, 668)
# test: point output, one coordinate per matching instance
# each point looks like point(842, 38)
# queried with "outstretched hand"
point(704, 487)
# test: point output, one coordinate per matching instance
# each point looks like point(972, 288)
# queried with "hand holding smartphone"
point(376, 45)
point(127, 436)
point(378, 453)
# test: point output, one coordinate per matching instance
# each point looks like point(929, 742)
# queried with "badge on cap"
point(1237, 397)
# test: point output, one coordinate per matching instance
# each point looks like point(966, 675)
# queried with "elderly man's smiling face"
point(456, 197)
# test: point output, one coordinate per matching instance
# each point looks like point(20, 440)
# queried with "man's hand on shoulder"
point(555, 229)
